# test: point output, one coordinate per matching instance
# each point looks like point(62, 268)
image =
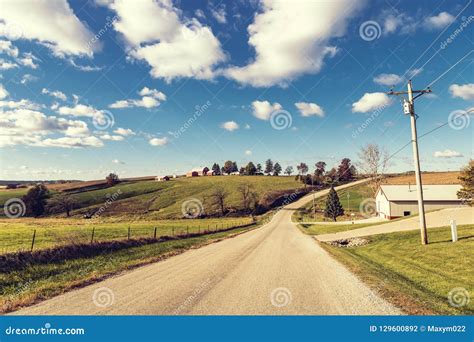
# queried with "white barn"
point(394, 201)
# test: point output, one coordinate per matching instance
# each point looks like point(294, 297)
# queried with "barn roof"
point(430, 192)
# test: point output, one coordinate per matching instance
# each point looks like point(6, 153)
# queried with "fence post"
point(187, 230)
point(92, 237)
point(154, 234)
point(199, 230)
point(172, 232)
point(128, 233)
point(33, 240)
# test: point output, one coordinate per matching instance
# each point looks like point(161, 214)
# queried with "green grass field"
point(16, 234)
point(414, 277)
point(164, 200)
point(351, 205)
point(42, 281)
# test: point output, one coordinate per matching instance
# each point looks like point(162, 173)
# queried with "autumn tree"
point(467, 182)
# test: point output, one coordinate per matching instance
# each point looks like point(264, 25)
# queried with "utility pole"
point(409, 109)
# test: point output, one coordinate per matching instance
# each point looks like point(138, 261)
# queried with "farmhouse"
point(162, 178)
point(200, 171)
point(394, 201)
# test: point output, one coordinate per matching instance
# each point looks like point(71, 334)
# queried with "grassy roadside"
point(317, 229)
point(416, 278)
point(38, 282)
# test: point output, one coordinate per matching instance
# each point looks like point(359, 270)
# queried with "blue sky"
point(159, 87)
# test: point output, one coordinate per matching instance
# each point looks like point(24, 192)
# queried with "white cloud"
point(248, 153)
point(7, 47)
point(23, 103)
point(230, 126)
point(263, 109)
point(124, 131)
point(51, 23)
point(219, 14)
point(55, 93)
point(31, 127)
point(447, 154)
point(150, 98)
point(464, 91)
point(27, 78)
point(371, 101)
point(309, 109)
point(172, 45)
point(116, 161)
point(81, 110)
point(7, 65)
point(439, 21)
point(112, 137)
point(200, 14)
point(286, 49)
point(158, 141)
point(28, 60)
point(388, 79)
point(3, 92)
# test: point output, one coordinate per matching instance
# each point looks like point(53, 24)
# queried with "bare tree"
point(61, 203)
point(373, 162)
point(219, 195)
point(248, 195)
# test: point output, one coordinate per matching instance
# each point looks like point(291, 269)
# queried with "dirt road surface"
point(273, 270)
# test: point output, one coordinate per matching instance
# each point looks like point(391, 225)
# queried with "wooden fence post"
point(154, 234)
point(92, 237)
point(187, 230)
point(33, 240)
point(128, 236)
point(172, 231)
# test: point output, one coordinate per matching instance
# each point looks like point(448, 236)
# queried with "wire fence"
point(41, 238)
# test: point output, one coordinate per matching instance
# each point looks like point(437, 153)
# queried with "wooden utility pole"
point(409, 109)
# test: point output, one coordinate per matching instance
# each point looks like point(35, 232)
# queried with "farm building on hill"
point(200, 171)
point(394, 201)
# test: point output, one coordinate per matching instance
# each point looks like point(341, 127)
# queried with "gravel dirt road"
point(273, 270)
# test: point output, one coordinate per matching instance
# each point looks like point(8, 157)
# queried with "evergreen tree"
point(276, 169)
point(216, 168)
point(268, 167)
point(235, 168)
point(35, 200)
point(250, 169)
point(259, 168)
point(333, 206)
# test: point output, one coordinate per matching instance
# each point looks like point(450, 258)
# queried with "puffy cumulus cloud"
point(388, 79)
point(447, 154)
point(55, 93)
point(230, 126)
point(158, 141)
point(439, 21)
point(51, 23)
point(248, 152)
point(23, 103)
point(370, 102)
point(464, 91)
point(3, 92)
point(285, 49)
point(219, 14)
point(124, 131)
point(79, 110)
point(150, 98)
point(27, 78)
point(172, 45)
point(21, 126)
point(7, 65)
point(309, 109)
point(263, 109)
